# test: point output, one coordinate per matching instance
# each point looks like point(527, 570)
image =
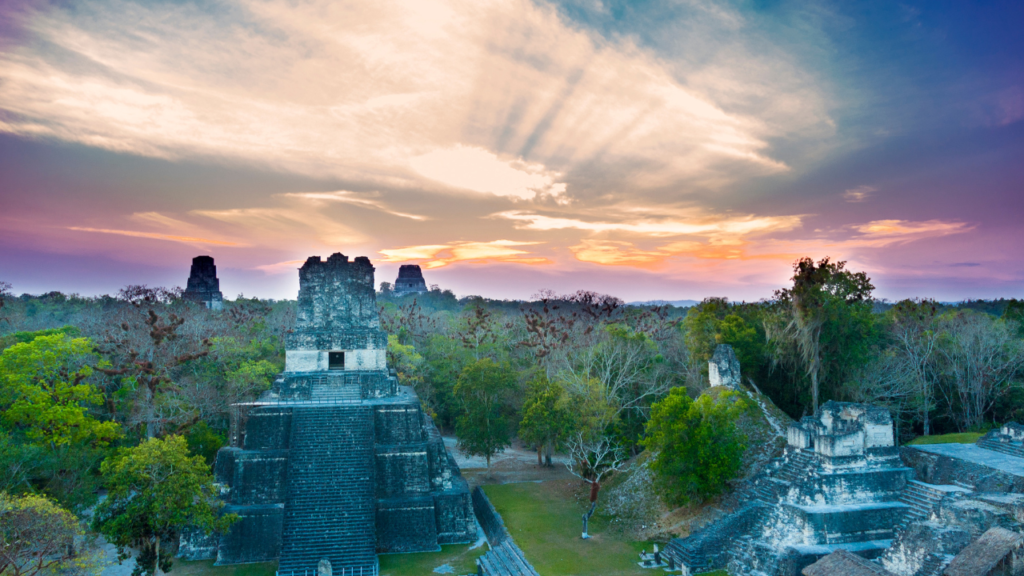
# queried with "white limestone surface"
point(317, 360)
point(975, 455)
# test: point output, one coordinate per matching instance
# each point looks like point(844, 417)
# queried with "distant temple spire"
point(410, 280)
point(203, 285)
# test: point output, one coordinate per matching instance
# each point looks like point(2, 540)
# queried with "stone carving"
point(324, 568)
point(203, 285)
point(337, 462)
point(410, 280)
point(724, 368)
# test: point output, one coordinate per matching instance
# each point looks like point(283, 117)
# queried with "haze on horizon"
point(647, 150)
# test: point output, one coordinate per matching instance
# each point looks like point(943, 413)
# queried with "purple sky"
point(646, 150)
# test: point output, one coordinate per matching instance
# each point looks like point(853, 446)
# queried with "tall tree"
point(484, 390)
point(154, 491)
point(547, 417)
point(826, 307)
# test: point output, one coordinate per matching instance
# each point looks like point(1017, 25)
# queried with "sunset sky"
point(649, 150)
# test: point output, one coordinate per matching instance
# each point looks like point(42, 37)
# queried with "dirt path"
point(514, 464)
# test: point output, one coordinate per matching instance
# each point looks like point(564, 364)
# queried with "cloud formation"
point(406, 93)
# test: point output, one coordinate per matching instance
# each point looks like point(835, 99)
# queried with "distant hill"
point(676, 303)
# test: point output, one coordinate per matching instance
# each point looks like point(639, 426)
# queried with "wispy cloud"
point(438, 255)
point(155, 236)
point(280, 267)
point(885, 232)
point(859, 194)
point(346, 197)
point(698, 225)
point(286, 226)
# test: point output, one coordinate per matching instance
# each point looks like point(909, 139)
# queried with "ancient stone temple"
point(837, 487)
point(338, 462)
point(410, 280)
point(203, 285)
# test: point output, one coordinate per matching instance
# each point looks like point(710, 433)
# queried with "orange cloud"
point(438, 255)
point(890, 231)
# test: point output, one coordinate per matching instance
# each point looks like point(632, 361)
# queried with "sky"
point(645, 149)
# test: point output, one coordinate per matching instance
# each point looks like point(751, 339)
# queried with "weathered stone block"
point(406, 525)
point(256, 537)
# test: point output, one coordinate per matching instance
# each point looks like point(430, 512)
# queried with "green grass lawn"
point(960, 438)
point(546, 524)
point(206, 568)
point(458, 556)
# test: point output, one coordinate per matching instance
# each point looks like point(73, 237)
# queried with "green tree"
point(826, 316)
point(154, 491)
point(44, 392)
point(204, 441)
point(404, 359)
point(484, 390)
point(37, 538)
point(547, 417)
point(696, 445)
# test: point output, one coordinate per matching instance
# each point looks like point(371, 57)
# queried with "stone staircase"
point(796, 467)
point(505, 559)
point(1008, 448)
point(933, 565)
point(329, 513)
point(711, 548)
point(335, 390)
point(922, 499)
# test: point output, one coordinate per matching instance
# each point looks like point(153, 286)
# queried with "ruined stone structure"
point(203, 285)
point(410, 280)
point(337, 462)
point(837, 487)
point(843, 487)
point(724, 368)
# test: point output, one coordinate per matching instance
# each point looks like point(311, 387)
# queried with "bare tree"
point(980, 358)
point(890, 379)
point(592, 457)
point(915, 336)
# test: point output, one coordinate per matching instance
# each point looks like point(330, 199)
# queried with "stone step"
point(330, 477)
point(1002, 447)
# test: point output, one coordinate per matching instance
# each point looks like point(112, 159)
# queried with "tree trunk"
point(540, 461)
point(814, 391)
point(156, 569)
